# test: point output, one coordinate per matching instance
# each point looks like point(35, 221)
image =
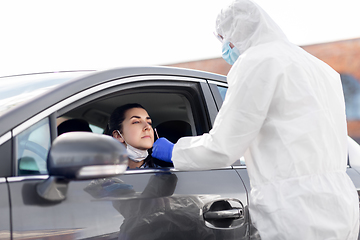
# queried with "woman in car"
point(132, 126)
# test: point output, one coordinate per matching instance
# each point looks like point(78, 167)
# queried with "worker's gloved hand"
point(162, 149)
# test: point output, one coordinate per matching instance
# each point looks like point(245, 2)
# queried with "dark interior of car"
point(173, 113)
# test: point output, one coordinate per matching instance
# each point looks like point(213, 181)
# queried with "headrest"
point(73, 125)
point(173, 130)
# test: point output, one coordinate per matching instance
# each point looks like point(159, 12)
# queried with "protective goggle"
point(219, 37)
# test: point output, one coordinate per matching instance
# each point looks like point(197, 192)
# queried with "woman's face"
point(137, 130)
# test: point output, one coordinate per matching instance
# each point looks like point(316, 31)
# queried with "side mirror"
point(81, 156)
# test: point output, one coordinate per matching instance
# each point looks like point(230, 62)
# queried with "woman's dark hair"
point(118, 116)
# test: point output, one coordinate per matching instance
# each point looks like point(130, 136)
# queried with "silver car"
point(72, 186)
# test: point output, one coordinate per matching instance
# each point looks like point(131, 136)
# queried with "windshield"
point(15, 90)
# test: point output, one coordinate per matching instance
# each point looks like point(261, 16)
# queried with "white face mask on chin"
point(135, 154)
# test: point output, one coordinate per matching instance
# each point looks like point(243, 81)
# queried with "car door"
point(5, 219)
point(218, 88)
point(4, 210)
point(141, 204)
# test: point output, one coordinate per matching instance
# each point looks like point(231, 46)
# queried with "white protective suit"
point(284, 112)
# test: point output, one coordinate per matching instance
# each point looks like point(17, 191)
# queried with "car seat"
point(73, 125)
point(173, 130)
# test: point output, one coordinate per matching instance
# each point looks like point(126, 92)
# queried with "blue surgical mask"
point(230, 55)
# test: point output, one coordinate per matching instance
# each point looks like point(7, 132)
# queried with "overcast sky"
point(45, 35)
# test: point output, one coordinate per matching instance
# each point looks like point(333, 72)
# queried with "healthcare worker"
point(284, 112)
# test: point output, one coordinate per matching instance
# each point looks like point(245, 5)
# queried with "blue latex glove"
point(162, 149)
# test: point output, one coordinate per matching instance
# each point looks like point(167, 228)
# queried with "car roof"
point(26, 110)
point(18, 89)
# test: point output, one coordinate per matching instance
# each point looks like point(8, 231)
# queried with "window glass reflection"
point(32, 146)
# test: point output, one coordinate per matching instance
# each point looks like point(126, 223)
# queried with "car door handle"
point(224, 213)
point(234, 213)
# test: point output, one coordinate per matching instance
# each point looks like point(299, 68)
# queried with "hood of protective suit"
point(245, 25)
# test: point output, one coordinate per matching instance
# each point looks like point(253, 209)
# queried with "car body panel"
point(5, 229)
point(175, 202)
point(355, 177)
point(16, 90)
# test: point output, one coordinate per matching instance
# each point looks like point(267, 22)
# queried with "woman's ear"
point(117, 135)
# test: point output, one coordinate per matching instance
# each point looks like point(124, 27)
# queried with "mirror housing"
point(81, 156)
point(84, 155)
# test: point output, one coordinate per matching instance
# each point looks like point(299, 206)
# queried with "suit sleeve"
point(251, 89)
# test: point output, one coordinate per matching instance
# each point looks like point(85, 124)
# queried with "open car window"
point(162, 107)
point(175, 111)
